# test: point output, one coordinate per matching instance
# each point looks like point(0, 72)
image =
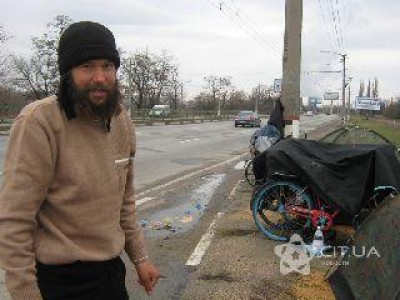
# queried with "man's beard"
point(103, 111)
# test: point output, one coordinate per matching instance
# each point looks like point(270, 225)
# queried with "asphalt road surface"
point(183, 176)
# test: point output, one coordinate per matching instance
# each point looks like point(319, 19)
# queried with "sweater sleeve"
point(27, 172)
point(134, 239)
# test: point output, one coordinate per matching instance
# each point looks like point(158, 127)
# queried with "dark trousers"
point(103, 280)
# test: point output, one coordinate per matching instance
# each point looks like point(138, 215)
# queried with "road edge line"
point(203, 244)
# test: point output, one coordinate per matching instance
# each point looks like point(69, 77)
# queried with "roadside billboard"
point(368, 103)
point(315, 100)
point(331, 96)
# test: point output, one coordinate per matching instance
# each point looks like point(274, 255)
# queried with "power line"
point(248, 20)
point(345, 21)
point(326, 26)
point(333, 16)
point(244, 23)
point(340, 26)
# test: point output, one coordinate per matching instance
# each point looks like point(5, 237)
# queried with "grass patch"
point(387, 128)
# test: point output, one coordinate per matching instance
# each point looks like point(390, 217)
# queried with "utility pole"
point(291, 61)
point(348, 101)
point(343, 114)
point(342, 111)
point(257, 100)
point(182, 99)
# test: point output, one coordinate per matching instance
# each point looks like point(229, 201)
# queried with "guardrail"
point(141, 117)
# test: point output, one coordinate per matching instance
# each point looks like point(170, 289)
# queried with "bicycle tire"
point(249, 174)
point(270, 210)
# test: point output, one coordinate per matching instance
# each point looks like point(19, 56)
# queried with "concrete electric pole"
point(348, 101)
point(258, 98)
point(290, 96)
point(343, 114)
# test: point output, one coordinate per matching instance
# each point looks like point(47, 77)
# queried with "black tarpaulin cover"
point(374, 272)
point(341, 174)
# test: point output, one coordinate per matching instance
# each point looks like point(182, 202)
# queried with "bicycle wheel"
point(249, 174)
point(273, 210)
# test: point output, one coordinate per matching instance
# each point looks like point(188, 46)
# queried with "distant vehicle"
point(247, 117)
point(160, 111)
point(309, 113)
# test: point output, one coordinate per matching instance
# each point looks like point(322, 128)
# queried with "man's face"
point(95, 80)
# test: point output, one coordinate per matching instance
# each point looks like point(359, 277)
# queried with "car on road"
point(247, 117)
point(309, 113)
point(160, 111)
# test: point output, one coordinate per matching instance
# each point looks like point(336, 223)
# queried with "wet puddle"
point(186, 214)
point(240, 165)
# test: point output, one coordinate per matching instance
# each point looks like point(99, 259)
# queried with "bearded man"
point(67, 207)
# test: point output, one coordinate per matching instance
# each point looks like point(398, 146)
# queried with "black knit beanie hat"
point(83, 41)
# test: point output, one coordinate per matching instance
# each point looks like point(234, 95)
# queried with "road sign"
point(278, 85)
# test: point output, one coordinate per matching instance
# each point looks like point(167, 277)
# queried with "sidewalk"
point(241, 263)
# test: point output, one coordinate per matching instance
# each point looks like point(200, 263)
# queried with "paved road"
point(167, 152)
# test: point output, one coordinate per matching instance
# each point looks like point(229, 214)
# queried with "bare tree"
point(203, 101)
point(148, 76)
point(4, 66)
point(361, 89)
point(39, 73)
point(219, 87)
point(265, 97)
point(174, 91)
point(369, 88)
point(238, 100)
point(375, 89)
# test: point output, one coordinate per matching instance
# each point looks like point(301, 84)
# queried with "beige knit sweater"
point(67, 194)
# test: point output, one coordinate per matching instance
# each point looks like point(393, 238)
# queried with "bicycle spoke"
point(272, 212)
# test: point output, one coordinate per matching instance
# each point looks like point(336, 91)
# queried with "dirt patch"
point(273, 288)
point(224, 276)
point(312, 287)
point(236, 232)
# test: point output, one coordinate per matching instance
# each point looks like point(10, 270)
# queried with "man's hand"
point(148, 275)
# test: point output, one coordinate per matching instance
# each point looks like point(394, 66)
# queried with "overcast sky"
point(238, 38)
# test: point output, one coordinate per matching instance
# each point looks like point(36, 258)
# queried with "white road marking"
point(188, 141)
point(233, 192)
point(143, 200)
point(159, 187)
point(203, 244)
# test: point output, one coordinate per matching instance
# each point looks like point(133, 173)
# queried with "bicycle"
point(310, 183)
point(248, 172)
point(284, 206)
